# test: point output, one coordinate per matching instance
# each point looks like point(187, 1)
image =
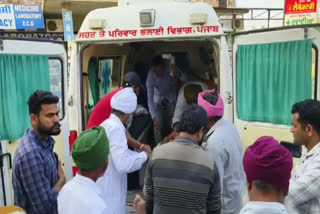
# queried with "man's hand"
point(146, 148)
point(156, 124)
point(61, 175)
point(133, 143)
point(61, 178)
point(170, 137)
point(173, 135)
point(176, 127)
point(139, 205)
point(175, 72)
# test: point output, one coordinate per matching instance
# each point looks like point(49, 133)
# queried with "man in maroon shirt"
point(102, 110)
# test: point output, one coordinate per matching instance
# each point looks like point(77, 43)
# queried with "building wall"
point(218, 3)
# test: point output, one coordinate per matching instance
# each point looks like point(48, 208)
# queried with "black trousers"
point(139, 123)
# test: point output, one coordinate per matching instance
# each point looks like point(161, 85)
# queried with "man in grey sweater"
point(181, 177)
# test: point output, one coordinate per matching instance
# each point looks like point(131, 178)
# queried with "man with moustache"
point(37, 175)
point(304, 188)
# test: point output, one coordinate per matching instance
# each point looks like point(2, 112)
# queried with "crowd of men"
point(197, 166)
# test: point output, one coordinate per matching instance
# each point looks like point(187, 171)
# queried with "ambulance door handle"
point(229, 97)
point(70, 101)
point(2, 175)
point(9, 158)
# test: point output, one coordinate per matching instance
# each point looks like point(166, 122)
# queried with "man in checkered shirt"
point(304, 189)
point(37, 175)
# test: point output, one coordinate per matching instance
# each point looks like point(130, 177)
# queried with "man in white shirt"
point(121, 159)
point(187, 96)
point(304, 189)
point(224, 145)
point(82, 195)
point(268, 166)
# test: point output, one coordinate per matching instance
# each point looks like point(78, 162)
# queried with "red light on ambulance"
point(72, 138)
point(75, 170)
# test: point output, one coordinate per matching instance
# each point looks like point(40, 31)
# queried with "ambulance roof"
point(171, 19)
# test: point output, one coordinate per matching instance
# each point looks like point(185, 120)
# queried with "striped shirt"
point(304, 188)
point(182, 178)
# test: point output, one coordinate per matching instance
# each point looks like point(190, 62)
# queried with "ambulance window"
point(268, 83)
point(56, 82)
point(109, 74)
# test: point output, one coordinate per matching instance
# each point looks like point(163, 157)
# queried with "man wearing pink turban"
point(268, 168)
point(223, 143)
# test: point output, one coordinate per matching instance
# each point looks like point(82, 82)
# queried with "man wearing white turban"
point(121, 160)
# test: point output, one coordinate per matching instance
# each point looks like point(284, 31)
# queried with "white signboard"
point(7, 20)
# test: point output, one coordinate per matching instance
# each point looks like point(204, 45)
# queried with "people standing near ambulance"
point(162, 94)
point(37, 174)
point(82, 195)
point(121, 159)
point(224, 145)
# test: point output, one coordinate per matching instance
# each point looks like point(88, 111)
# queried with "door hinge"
point(305, 33)
point(1, 45)
point(229, 97)
point(70, 101)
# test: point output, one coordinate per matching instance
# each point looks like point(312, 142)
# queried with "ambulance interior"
point(198, 59)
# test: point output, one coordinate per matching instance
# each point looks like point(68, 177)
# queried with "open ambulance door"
point(225, 79)
point(58, 67)
point(272, 70)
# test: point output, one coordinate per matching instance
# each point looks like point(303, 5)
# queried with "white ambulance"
point(265, 71)
point(126, 38)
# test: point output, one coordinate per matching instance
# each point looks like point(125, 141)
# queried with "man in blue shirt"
point(37, 174)
point(162, 94)
point(223, 143)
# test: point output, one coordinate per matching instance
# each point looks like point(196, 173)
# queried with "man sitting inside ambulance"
point(187, 96)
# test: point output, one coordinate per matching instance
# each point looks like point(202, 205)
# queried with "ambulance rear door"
point(58, 67)
point(272, 70)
